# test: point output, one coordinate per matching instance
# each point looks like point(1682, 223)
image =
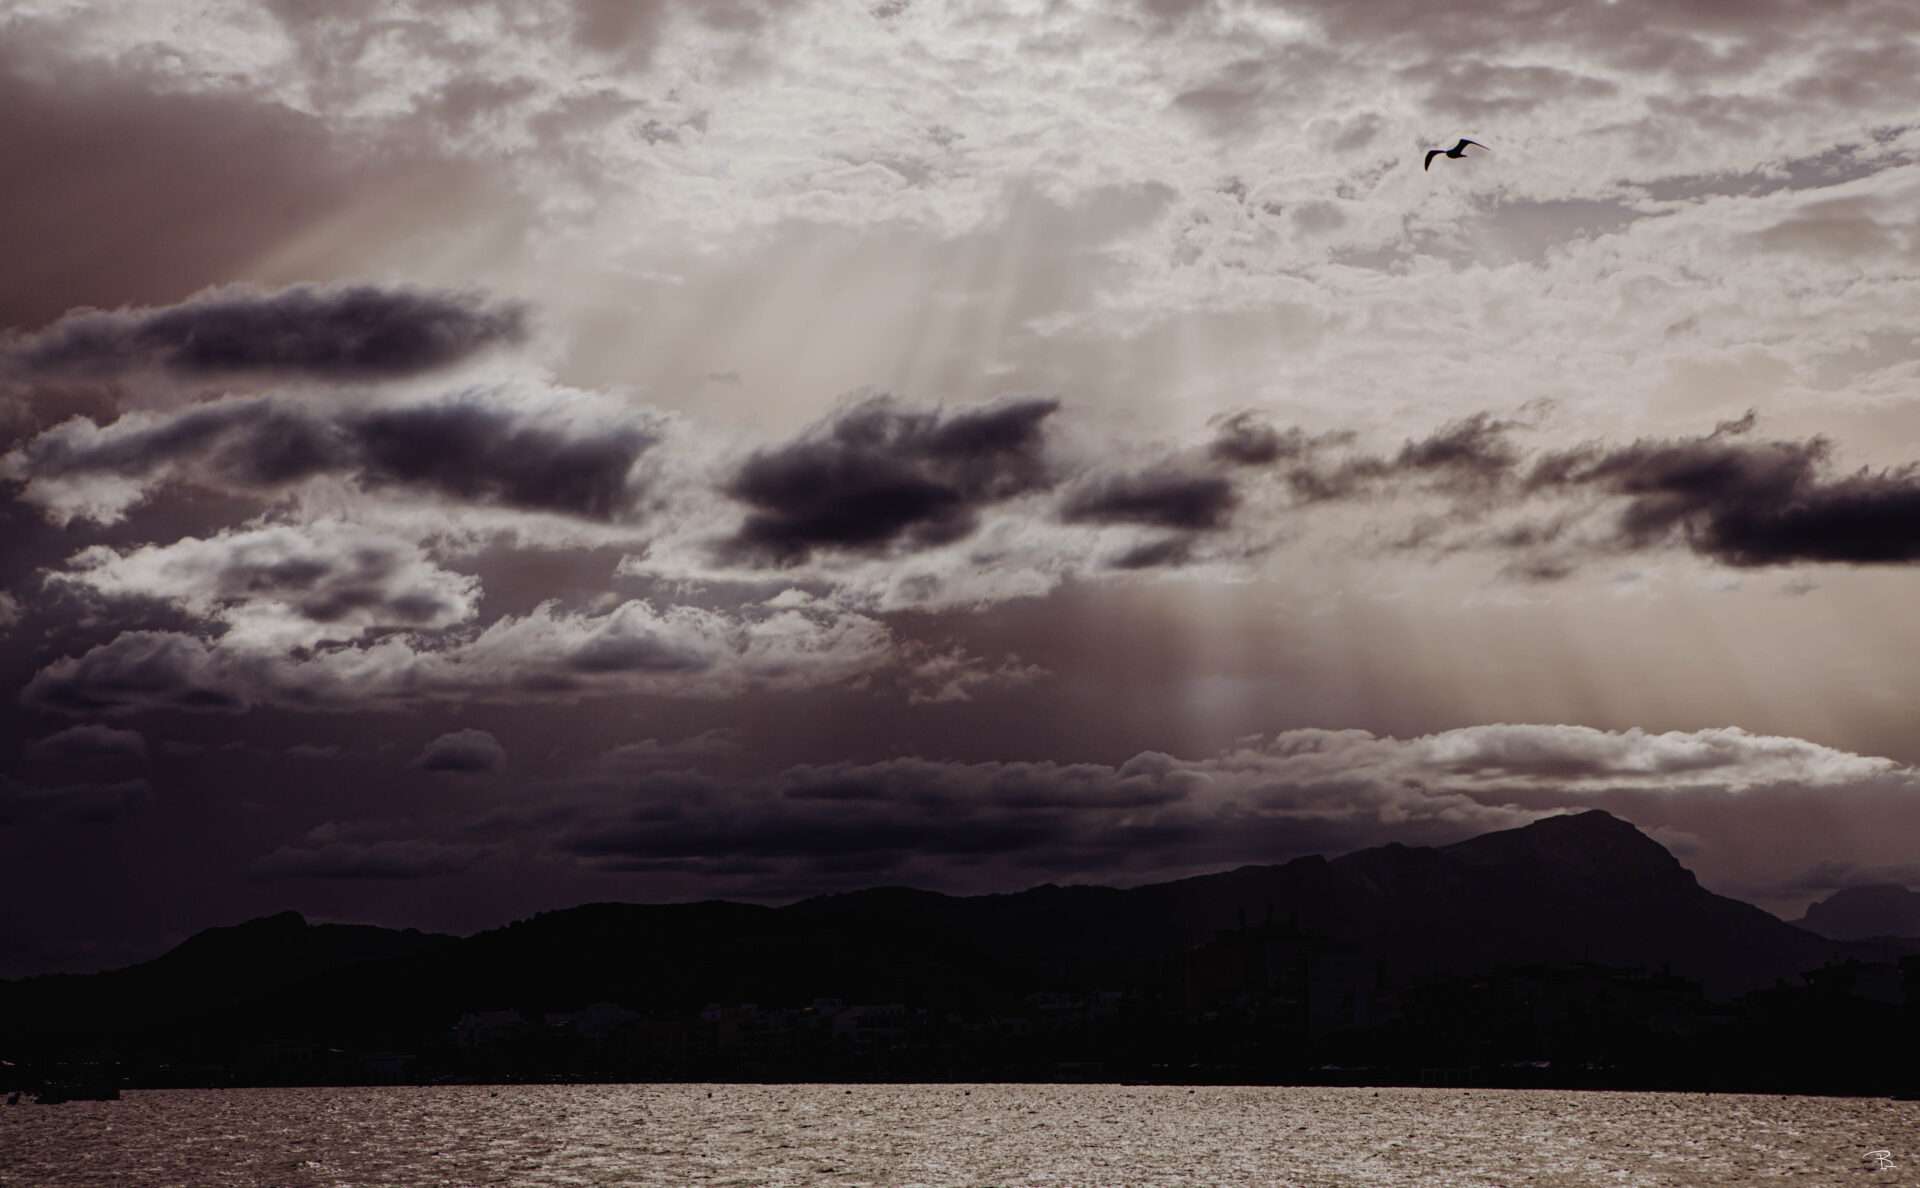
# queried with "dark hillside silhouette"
point(1572, 951)
point(1861, 913)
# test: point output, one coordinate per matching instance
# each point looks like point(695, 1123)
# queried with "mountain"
point(209, 973)
point(1576, 936)
point(1581, 888)
point(1860, 913)
point(1587, 887)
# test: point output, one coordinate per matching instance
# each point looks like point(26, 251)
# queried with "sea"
point(954, 1134)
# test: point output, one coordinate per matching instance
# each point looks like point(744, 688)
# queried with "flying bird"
point(1456, 152)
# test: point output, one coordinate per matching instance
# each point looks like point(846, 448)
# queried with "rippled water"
point(953, 1134)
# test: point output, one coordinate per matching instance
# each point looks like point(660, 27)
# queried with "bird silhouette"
point(1456, 152)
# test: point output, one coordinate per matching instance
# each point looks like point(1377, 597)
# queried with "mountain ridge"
point(1865, 912)
point(1388, 894)
point(1575, 939)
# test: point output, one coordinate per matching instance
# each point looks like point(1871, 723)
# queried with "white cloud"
point(547, 654)
point(934, 675)
point(986, 825)
point(280, 586)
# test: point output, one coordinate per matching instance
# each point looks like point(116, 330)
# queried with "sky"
point(462, 459)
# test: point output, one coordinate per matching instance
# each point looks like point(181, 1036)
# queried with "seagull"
point(1456, 152)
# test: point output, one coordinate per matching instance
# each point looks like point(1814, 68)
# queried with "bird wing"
point(1431, 154)
point(1464, 142)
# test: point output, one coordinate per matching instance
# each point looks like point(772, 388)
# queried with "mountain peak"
point(1872, 910)
point(1591, 845)
point(1596, 820)
point(279, 924)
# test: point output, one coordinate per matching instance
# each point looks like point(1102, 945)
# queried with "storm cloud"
point(1748, 503)
point(1247, 439)
point(474, 447)
point(1470, 456)
point(351, 333)
point(879, 476)
point(1166, 498)
point(1722, 495)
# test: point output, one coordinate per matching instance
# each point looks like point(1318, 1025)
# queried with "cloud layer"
point(354, 333)
point(1001, 824)
point(548, 654)
point(879, 476)
point(474, 447)
point(462, 751)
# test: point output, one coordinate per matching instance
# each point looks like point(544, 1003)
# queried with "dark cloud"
point(1724, 495)
point(862, 818)
point(1162, 498)
point(352, 333)
point(1164, 553)
point(90, 803)
point(1747, 503)
point(879, 476)
point(865, 818)
point(90, 741)
point(1460, 458)
point(1539, 569)
point(462, 751)
point(1472, 452)
point(474, 447)
point(1730, 498)
point(1246, 439)
point(1324, 484)
point(483, 455)
point(1742, 424)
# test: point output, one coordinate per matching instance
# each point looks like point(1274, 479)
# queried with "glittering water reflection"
point(953, 1134)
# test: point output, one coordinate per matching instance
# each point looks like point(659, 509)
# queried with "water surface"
point(954, 1134)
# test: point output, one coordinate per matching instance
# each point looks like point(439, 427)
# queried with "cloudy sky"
point(460, 459)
